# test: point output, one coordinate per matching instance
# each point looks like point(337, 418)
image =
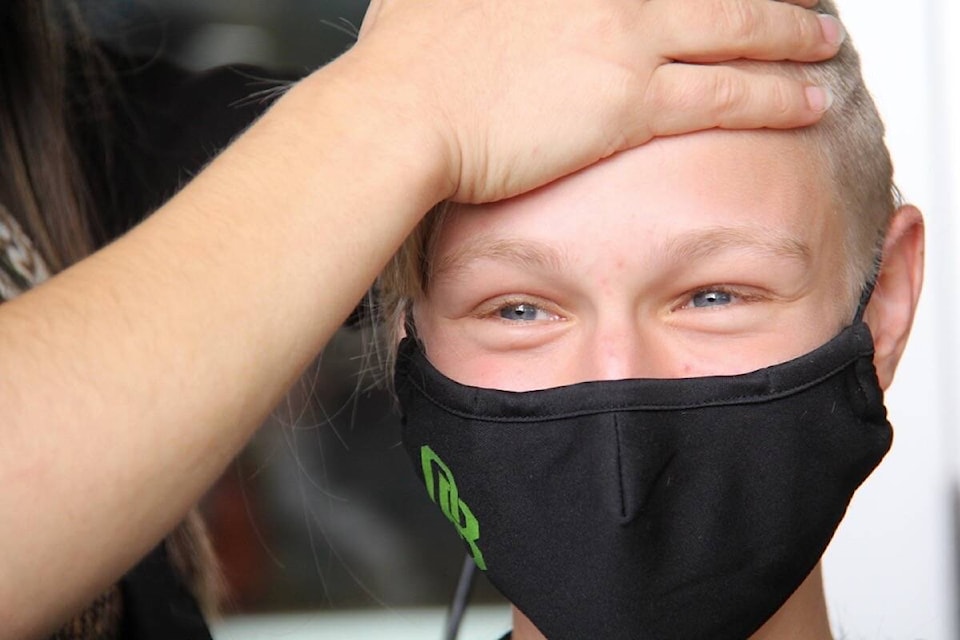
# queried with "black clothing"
point(157, 605)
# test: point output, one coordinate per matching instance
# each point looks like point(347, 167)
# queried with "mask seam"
point(710, 402)
point(623, 499)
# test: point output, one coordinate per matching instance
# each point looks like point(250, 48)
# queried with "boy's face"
point(714, 253)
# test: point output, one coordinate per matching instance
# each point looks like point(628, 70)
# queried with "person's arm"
point(130, 380)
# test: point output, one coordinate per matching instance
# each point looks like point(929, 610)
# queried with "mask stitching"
point(623, 499)
point(709, 402)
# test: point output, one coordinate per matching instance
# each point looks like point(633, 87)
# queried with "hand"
point(521, 92)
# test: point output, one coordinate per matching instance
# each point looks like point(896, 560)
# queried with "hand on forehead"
point(608, 75)
point(713, 253)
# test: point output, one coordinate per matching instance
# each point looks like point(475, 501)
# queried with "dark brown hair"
point(43, 182)
point(56, 92)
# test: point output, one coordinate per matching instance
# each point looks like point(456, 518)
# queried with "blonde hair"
point(404, 280)
point(849, 141)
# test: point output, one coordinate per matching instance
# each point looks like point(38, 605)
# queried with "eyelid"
point(738, 293)
point(489, 308)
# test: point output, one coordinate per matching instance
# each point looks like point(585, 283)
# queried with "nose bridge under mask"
point(650, 509)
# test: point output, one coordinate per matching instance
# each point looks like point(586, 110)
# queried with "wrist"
point(383, 111)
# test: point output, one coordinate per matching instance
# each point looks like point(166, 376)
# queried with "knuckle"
point(672, 93)
point(727, 94)
point(782, 100)
point(806, 27)
point(740, 18)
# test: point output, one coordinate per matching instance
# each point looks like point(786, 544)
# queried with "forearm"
point(129, 381)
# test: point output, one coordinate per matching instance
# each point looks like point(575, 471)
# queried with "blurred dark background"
point(280, 35)
point(322, 510)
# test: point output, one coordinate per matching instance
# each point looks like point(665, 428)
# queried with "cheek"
point(487, 372)
point(726, 356)
point(450, 352)
point(463, 360)
point(507, 372)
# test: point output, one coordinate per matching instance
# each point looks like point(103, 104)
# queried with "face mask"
point(650, 509)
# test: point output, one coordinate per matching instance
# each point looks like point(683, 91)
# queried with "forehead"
point(763, 183)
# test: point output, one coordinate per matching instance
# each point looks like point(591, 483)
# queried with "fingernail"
point(833, 31)
point(819, 98)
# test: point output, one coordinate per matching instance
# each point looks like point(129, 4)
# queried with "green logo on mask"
point(443, 491)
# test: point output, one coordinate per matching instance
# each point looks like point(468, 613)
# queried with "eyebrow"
point(692, 246)
point(709, 241)
point(522, 252)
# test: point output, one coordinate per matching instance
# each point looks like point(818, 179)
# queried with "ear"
point(890, 311)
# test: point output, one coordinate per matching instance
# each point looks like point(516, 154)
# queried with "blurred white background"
point(891, 571)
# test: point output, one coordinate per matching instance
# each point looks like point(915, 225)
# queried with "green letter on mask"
point(443, 490)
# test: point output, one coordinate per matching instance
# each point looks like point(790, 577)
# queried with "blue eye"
point(711, 298)
point(522, 313)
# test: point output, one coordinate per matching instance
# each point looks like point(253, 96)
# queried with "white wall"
point(890, 571)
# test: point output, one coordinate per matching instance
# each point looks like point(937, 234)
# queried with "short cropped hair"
point(848, 142)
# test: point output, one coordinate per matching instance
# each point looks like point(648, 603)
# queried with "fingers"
point(719, 30)
point(482, 75)
point(682, 98)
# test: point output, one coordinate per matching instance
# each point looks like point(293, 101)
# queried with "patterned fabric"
point(22, 267)
point(100, 621)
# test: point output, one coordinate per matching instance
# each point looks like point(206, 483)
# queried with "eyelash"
point(736, 294)
point(491, 311)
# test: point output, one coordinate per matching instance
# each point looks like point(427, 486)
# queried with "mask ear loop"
point(468, 573)
point(461, 598)
point(409, 328)
point(868, 288)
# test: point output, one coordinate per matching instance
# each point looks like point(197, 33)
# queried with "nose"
point(626, 350)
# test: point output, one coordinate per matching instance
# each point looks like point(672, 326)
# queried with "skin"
point(128, 382)
point(706, 254)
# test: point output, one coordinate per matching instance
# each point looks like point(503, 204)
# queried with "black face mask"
point(650, 509)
